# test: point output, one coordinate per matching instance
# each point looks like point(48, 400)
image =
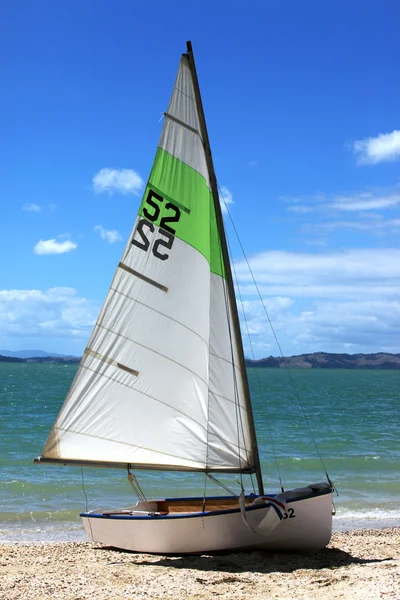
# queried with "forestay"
point(156, 387)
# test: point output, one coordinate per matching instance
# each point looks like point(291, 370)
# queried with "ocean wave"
point(368, 513)
point(370, 518)
point(38, 516)
point(60, 532)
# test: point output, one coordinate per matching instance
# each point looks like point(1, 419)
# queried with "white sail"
point(160, 384)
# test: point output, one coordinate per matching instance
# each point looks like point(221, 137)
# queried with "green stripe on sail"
point(195, 223)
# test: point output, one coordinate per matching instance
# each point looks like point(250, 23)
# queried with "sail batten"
point(179, 122)
point(143, 277)
point(161, 384)
point(111, 361)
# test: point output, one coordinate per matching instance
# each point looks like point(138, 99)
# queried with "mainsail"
point(161, 384)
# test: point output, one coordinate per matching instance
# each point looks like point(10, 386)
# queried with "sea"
point(308, 421)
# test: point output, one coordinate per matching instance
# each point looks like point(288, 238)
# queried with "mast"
point(227, 265)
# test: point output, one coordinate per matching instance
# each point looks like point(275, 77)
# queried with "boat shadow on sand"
point(260, 562)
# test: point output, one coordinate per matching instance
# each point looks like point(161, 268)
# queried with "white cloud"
point(343, 270)
point(53, 313)
point(363, 211)
point(125, 181)
point(373, 150)
point(300, 208)
point(110, 235)
point(336, 302)
point(54, 247)
point(365, 201)
point(306, 204)
point(225, 198)
point(363, 325)
point(32, 207)
point(376, 226)
point(354, 202)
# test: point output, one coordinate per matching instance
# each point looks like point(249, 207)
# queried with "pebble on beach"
point(357, 565)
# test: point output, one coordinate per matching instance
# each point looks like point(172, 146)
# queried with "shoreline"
point(359, 564)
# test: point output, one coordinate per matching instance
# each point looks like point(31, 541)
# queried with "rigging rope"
point(221, 485)
point(305, 416)
point(138, 490)
point(83, 489)
point(86, 500)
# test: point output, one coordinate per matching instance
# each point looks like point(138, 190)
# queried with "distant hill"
point(29, 353)
point(326, 360)
point(316, 360)
point(36, 356)
point(10, 359)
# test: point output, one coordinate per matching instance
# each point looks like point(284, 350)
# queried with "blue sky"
point(302, 104)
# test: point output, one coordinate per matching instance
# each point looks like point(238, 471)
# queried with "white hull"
point(306, 525)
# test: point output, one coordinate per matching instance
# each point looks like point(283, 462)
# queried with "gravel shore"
point(362, 565)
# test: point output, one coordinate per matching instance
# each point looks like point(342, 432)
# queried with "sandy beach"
point(356, 565)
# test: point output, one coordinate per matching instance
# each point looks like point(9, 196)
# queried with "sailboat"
point(162, 383)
